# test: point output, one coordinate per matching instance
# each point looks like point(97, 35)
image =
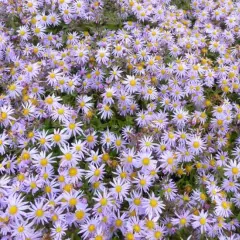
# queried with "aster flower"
point(132, 84)
point(16, 207)
point(152, 205)
point(102, 56)
point(202, 221)
point(232, 169)
point(183, 219)
point(196, 144)
point(223, 208)
point(58, 230)
point(5, 117)
point(119, 188)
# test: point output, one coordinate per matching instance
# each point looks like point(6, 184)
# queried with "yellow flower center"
point(42, 141)
point(142, 182)
point(133, 82)
point(4, 115)
point(56, 137)
point(202, 221)
point(33, 185)
point(150, 224)
point(73, 202)
point(99, 237)
point(72, 172)
point(225, 205)
point(39, 213)
point(170, 161)
point(118, 222)
point(58, 229)
point(72, 126)
point(235, 170)
point(118, 188)
point(153, 203)
point(91, 228)
point(44, 162)
point(90, 138)
point(196, 144)
point(145, 161)
point(103, 201)
point(68, 156)
point(13, 210)
point(130, 236)
point(61, 111)
point(79, 214)
point(20, 229)
point(183, 221)
point(136, 228)
point(157, 234)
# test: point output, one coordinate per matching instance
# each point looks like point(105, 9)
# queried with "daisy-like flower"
point(39, 31)
point(132, 84)
point(59, 137)
point(143, 182)
point(128, 158)
point(236, 199)
point(180, 117)
point(170, 190)
point(94, 157)
point(61, 113)
point(105, 111)
point(201, 221)
point(73, 128)
point(59, 230)
point(54, 76)
point(82, 55)
point(33, 184)
point(44, 140)
point(157, 234)
point(223, 208)
point(153, 205)
point(183, 219)
point(84, 103)
point(146, 144)
point(181, 69)
point(52, 102)
point(28, 110)
point(89, 228)
point(79, 147)
point(119, 188)
point(22, 229)
point(14, 90)
point(115, 74)
point(95, 173)
point(42, 160)
point(5, 115)
point(108, 95)
point(4, 142)
point(102, 56)
point(135, 201)
point(103, 200)
point(168, 161)
point(69, 157)
point(72, 199)
point(145, 160)
point(81, 213)
point(23, 32)
point(38, 212)
point(232, 169)
point(196, 144)
point(16, 207)
point(91, 139)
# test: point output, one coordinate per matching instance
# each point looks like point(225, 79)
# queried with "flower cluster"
point(119, 131)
